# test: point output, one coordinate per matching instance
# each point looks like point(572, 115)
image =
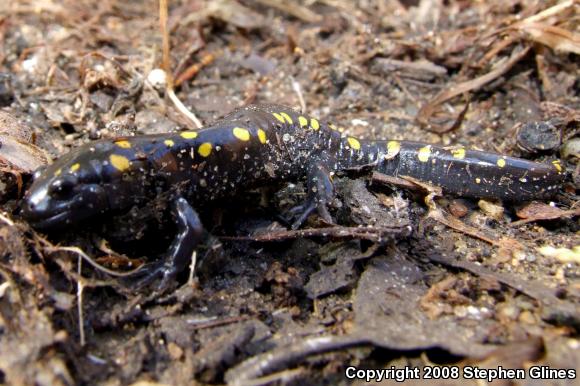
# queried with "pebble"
point(158, 78)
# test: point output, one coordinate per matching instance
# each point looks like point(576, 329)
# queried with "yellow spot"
point(287, 118)
point(279, 117)
point(119, 162)
point(188, 134)
point(478, 180)
point(303, 121)
point(241, 134)
point(393, 148)
point(204, 149)
point(458, 153)
point(75, 167)
point(424, 153)
point(57, 173)
point(124, 144)
point(501, 162)
point(557, 165)
point(354, 143)
point(314, 124)
point(262, 135)
point(169, 142)
point(332, 127)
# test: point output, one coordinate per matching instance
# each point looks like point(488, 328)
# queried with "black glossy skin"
point(253, 146)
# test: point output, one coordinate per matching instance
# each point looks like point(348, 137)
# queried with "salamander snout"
point(58, 198)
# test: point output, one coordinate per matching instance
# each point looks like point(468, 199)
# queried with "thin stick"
point(80, 289)
point(554, 10)
point(298, 91)
point(93, 263)
point(182, 109)
point(166, 64)
point(5, 219)
point(192, 268)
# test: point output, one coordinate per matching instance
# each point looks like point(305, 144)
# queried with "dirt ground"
point(400, 281)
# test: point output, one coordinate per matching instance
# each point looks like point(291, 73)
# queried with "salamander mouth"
point(56, 221)
point(46, 213)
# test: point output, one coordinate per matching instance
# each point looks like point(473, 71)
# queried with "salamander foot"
point(178, 256)
point(320, 194)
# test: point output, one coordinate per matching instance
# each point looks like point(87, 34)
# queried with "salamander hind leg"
point(178, 256)
point(320, 194)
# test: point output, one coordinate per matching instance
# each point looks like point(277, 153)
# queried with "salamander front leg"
point(176, 259)
point(320, 194)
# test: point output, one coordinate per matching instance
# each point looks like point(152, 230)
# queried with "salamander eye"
point(61, 188)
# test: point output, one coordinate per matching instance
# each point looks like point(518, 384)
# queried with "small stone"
point(491, 209)
point(527, 317)
point(508, 312)
point(175, 352)
point(571, 149)
point(537, 137)
point(458, 209)
point(158, 78)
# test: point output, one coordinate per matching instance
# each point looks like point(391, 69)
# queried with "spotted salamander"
point(254, 146)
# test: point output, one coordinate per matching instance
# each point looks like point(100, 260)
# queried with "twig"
point(439, 215)
point(3, 287)
point(371, 233)
point(181, 107)
point(298, 90)
point(91, 261)
point(442, 217)
point(192, 70)
point(549, 12)
point(80, 290)
point(192, 268)
point(427, 111)
point(5, 219)
point(284, 356)
point(561, 214)
point(167, 66)
point(166, 60)
point(214, 322)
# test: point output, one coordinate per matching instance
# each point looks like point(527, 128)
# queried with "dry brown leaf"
point(21, 156)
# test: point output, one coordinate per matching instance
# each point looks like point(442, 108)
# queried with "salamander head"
point(65, 193)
